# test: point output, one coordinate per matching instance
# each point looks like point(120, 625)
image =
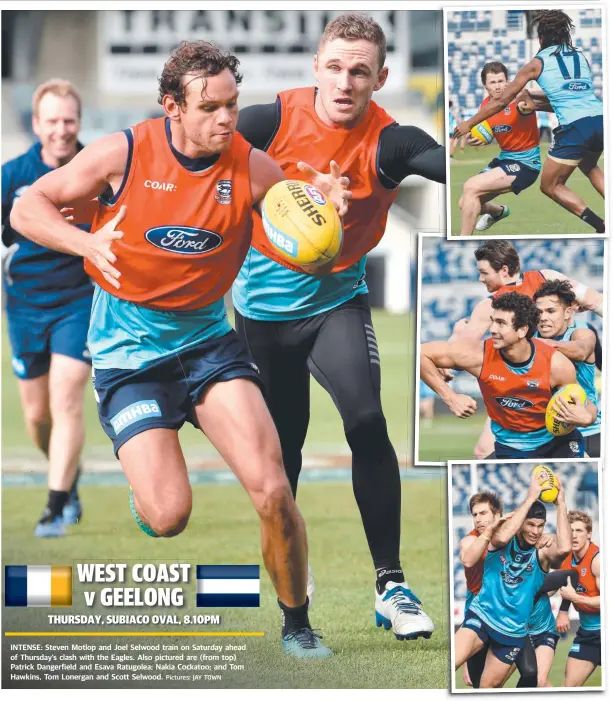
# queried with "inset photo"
point(510, 361)
point(525, 98)
point(524, 548)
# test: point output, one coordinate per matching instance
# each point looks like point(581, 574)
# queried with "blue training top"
point(566, 79)
point(33, 274)
point(511, 578)
point(586, 376)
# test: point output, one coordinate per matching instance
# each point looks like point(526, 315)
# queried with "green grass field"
point(224, 528)
point(449, 438)
point(556, 676)
point(325, 431)
point(531, 211)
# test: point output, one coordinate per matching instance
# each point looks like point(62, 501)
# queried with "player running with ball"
point(296, 324)
point(162, 347)
point(517, 377)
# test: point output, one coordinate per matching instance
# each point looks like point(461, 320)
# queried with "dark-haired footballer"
point(517, 375)
point(565, 76)
point(559, 328)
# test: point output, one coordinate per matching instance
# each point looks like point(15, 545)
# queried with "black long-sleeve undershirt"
point(403, 150)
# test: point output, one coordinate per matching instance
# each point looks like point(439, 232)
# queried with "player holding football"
point(513, 572)
point(295, 323)
point(584, 655)
point(565, 76)
point(559, 328)
point(516, 167)
point(517, 377)
point(499, 269)
point(162, 347)
point(48, 299)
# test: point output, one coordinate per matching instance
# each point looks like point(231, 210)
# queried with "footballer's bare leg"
point(479, 189)
point(34, 396)
point(235, 418)
point(553, 184)
point(494, 672)
point(590, 168)
point(68, 378)
point(544, 663)
point(161, 494)
point(577, 672)
point(466, 644)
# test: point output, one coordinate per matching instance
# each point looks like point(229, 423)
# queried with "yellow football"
point(553, 424)
point(301, 223)
point(543, 474)
point(482, 132)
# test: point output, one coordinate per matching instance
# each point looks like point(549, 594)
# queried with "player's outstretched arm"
point(538, 97)
point(563, 373)
point(587, 298)
point(36, 214)
point(529, 72)
point(465, 355)
point(579, 349)
point(568, 592)
point(472, 547)
point(508, 528)
point(409, 150)
point(554, 554)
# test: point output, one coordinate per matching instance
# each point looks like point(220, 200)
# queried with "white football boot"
point(487, 220)
point(399, 609)
point(310, 587)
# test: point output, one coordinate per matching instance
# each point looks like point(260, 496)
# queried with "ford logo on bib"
point(502, 128)
point(514, 403)
point(576, 86)
point(187, 240)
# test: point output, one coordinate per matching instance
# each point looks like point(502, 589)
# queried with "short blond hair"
point(57, 87)
point(580, 516)
point(354, 25)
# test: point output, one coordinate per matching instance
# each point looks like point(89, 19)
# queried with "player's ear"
point(171, 107)
point(522, 331)
point(381, 78)
point(316, 64)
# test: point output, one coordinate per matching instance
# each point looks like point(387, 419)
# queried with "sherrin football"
point(543, 474)
point(553, 424)
point(482, 132)
point(301, 223)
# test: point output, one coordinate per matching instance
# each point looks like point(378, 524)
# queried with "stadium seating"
point(478, 36)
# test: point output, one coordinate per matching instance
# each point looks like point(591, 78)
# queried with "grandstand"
point(511, 481)
point(478, 36)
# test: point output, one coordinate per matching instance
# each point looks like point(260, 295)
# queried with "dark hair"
point(559, 288)
point(493, 67)
point(553, 28)
point(490, 498)
point(499, 253)
point(525, 312)
point(197, 58)
point(537, 510)
point(354, 25)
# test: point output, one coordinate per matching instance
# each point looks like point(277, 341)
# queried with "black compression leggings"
point(340, 350)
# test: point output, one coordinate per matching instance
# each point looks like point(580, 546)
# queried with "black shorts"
point(163, 393)
point(572, 445)
point(524, 176)
point(592, 445)
point(586, 646)
point(572, 142)
point(548, 639)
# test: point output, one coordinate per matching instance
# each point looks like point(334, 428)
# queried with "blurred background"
point(510, 481)
point(477, 36)
point(450, 290)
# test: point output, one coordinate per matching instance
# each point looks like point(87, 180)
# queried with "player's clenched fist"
point(98, 248)
point(462, 405)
